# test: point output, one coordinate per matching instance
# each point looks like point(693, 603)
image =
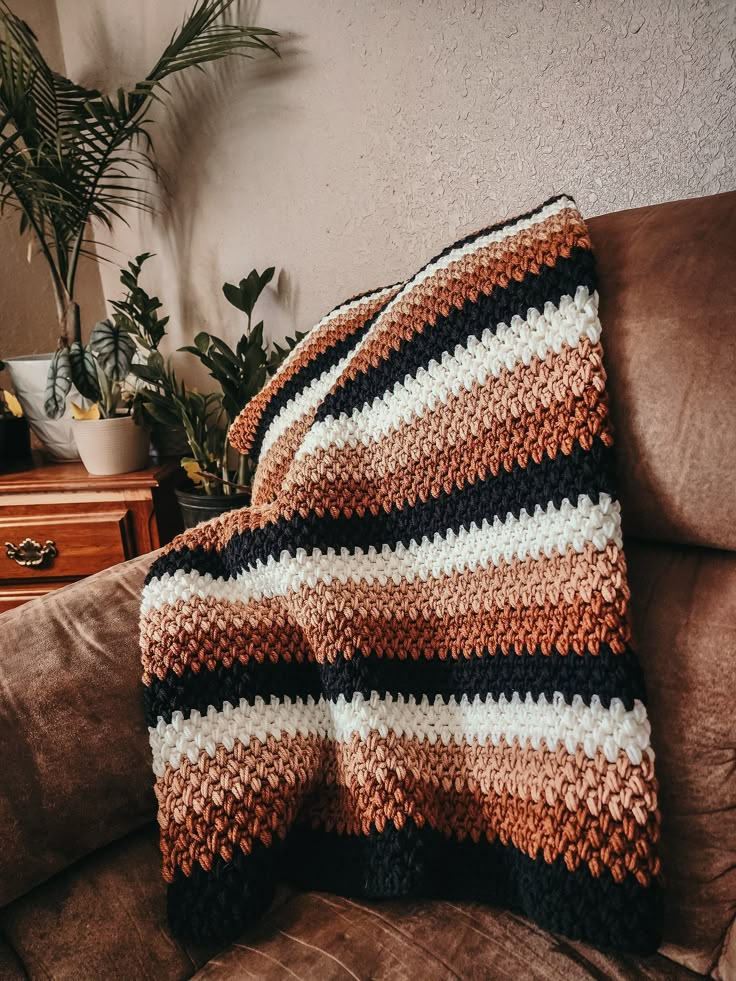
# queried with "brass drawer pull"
point(31, 554)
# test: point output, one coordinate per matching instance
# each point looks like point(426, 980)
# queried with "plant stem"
point(73, 261)
point(242, 461)
point(71, 326)
point(237, 488)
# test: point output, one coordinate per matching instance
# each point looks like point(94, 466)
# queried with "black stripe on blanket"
point(564, 477)
point(605, 675)
point(549, 284)
point(215, 905)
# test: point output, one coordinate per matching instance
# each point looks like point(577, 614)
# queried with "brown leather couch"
point(81, 895)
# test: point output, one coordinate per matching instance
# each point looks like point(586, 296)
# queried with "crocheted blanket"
point(406, 669)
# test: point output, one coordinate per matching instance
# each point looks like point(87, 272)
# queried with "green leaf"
point(162, 414)
point(203, 358)
point(242, 345)
point(145, 373)
point(232, 407)
point(245, 295)
point(113, 349)
point(107, 392)
point(223, 371)
point(58, 383)
point(84, 371)
point(251, 290)
point(256, 335)
point(156, 362)
point(225, 350)
point(259, 380)
point(267, 276)
point(253, 359)
point(202, 341)
point(234, 295)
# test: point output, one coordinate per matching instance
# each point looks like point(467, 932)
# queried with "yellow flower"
point(93, 412)
point(12, 403)
point(192, 470)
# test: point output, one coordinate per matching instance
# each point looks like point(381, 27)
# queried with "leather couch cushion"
point(667, 278)
point(684, 619)
point(76, 770)
point(320, 937)
point(104, 918)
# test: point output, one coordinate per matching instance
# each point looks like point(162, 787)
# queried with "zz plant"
point(240, 372)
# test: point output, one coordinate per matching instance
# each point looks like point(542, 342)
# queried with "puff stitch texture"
point(407, 669)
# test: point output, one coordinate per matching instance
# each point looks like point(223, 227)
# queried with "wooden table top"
point(48, 477)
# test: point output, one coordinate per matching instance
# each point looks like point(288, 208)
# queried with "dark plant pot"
point(15, 441)
point(196, 506)
point(168, 441)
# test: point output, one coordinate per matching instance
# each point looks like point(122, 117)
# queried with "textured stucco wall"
point(27, 311)
point(388, 128)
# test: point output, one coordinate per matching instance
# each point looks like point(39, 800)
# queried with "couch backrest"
point(668, 309)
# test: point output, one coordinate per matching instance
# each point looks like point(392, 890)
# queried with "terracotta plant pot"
point(196, 507)
point(29, 375)
point(108, 446)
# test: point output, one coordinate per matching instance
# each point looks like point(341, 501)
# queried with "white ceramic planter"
point(29, 381)
point(109, 446)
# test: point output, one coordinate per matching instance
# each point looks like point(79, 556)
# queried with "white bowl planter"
point(29, 381)
point(109, 446)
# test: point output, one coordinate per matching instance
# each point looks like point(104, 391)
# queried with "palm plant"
point(72, 156)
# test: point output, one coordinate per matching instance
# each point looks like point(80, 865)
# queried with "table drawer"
point(62, 544)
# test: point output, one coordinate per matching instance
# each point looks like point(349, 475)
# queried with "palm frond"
point(70, 155)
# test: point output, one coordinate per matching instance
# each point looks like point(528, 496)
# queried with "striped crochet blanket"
point(406, 669)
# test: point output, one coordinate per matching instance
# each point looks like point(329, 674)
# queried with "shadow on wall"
point(186, 145)
point(186, 132)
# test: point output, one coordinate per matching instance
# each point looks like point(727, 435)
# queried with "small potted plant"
point(220, 478)
point(109, 434)
point(15, 442)
point(71, 157)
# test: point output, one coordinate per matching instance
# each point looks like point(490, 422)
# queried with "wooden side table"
point(59, 524)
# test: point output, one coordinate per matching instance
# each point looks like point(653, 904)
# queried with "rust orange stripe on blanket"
point(542, 802)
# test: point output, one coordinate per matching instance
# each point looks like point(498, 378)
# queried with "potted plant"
point(220, 478)
point(109, 434)
point(72, 156)
point(138, 314)
point(15, 442)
